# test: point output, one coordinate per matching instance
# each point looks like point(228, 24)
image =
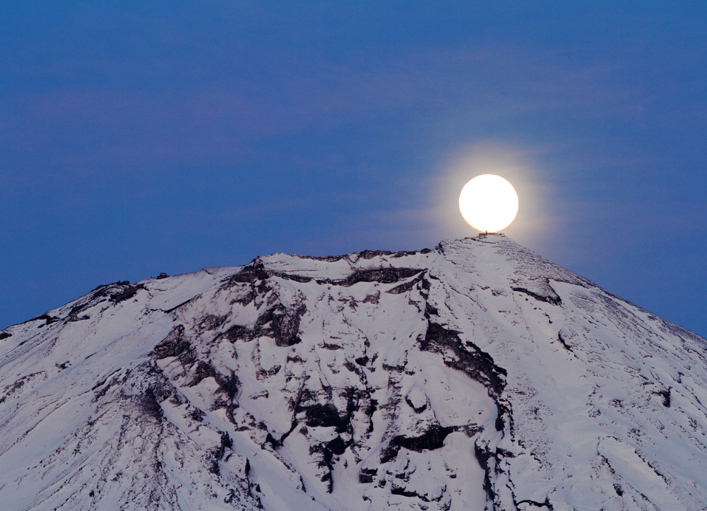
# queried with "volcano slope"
point(475, 376)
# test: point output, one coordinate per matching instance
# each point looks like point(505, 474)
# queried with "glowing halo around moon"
point(488, 203)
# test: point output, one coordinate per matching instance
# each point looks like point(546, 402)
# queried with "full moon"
point(488, 203)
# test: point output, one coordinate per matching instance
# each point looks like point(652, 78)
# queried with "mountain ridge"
point(477, 375)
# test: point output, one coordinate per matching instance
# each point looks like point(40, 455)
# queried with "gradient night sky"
point(150, 136)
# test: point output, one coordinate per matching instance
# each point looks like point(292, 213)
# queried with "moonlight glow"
point(488, 203)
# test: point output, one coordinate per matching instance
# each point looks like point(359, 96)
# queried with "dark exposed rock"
point(211, 322)
point(464, 357)
point(11, 389)
point(665, 394)
point(367, 254)
point(173, 345)
point(228, 384)
point(240, 333)
point(5, 335)
point(418, 409)
point(201, 371)
point(327, 451)
point(554, 300)
point(370, 409)
point(405, 492)
point(44, 317)
point(325, 415)
point(177, 306)
point(483, 456)
point(430, 311)
point(381, 275)
point(162, 275)
point(563, 342)
point(127, 293)
point(250, 273)
point(471, 429)
point(76, 309)
point(266, 373)
point(366, 475)
point(226, 443)
point(370, 254)
point(106, 387)
point(149, 404)
point(478, 365)
point(274, 443)
point(329, 259)
point(432, 439)
point(285, 325)
point(407, 286)
point(546, 503)
point(337, 445)
point(295, 277)
point(103, 290)
point(400, 490)
point(74, 317)
point(373, 298)
point(197, 415)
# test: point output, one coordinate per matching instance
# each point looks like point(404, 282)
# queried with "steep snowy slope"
point(474, 376)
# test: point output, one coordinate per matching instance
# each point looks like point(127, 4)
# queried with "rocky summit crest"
point(475, 376)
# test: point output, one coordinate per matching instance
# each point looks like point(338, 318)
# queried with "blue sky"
point(141, 137)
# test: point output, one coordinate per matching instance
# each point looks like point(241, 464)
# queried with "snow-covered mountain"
point(470, 377)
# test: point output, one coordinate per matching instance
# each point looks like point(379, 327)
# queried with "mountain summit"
point(475, 376)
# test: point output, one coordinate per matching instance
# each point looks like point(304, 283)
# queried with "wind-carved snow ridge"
point(476, 376)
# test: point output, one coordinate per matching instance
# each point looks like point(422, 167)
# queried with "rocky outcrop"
point(475, 376)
